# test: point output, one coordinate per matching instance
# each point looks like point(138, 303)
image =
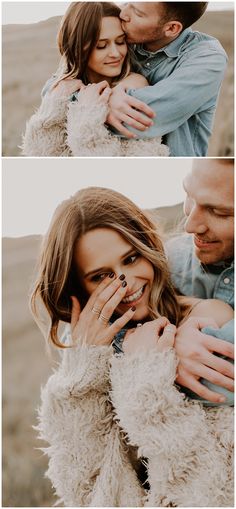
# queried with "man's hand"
point(126, 109)
point(195, 351)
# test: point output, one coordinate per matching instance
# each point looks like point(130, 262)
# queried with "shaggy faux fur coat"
point(63, 128)
point(101, 413)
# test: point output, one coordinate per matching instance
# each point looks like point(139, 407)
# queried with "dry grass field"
point(26, 367)
point(30, 56)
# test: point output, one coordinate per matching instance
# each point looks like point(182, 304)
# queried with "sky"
point(32, 12)
point(32, 188)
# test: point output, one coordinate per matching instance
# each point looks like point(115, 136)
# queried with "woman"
point(120, 433)
point(95, 59)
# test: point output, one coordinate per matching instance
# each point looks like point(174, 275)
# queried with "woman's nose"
point(114, 51)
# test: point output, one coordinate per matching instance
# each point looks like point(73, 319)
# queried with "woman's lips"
point(115, 63)
point(135, 297)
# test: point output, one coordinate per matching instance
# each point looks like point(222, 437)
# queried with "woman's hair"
point(88, 209)
point(79, 34)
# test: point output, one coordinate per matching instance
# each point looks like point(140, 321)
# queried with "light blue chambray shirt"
point(185, 78)
point(190, 277)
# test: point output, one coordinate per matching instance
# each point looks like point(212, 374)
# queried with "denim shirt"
point(190, 277)
point(185, 78)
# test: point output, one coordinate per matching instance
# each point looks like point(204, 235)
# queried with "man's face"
point(143, 22)
point(209, 208)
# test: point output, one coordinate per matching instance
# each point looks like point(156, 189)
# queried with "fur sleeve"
point(152, 147)
point(86, 131)
point(45, 133)
point(186, 466)
point(88, 464)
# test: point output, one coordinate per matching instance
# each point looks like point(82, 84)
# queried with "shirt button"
point(226, 280)
point(148, 64)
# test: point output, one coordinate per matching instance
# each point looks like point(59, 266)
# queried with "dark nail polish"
point(133, 308)
point(124, 284)
point(111, 275)
point(122, 277)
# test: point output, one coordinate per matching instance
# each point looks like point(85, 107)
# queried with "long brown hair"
point(78, 35)
point(91, 208)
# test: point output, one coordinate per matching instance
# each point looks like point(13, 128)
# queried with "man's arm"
point(200, 346)
point(189, 89)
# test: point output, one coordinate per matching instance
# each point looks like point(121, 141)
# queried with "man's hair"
point(185, 12)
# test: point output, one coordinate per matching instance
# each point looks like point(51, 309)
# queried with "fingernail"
point(133, 308)
point(222, 399)
point(122, 277)
point(124, 284)
point(111, 275)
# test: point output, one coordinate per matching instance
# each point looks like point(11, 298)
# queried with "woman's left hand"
point(98, 93)
point(158, 334)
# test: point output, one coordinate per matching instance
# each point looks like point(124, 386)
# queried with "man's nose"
point(195, 222)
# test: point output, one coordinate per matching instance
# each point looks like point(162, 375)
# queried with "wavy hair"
point(78, 35)
point(88, 209)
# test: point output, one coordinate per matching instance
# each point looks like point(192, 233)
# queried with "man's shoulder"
point(202, 42)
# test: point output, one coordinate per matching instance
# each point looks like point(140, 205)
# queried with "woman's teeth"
point(134, 296)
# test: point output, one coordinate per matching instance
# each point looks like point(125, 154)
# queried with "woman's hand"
point(97, 93)
point(158, 334)
point(91, 326)
point(67, 87)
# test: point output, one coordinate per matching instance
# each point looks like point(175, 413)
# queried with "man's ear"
point(173, 29)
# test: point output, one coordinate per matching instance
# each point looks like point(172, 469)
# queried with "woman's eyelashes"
point(99, 277)
point(131, 258)
point(105, 45)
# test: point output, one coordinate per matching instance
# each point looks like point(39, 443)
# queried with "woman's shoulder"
point(220, 311)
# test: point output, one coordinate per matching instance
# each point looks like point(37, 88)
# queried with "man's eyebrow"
point(104, 269)
point(137, 9)
point(223, 208)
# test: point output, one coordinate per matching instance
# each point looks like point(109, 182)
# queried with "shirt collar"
point(171, 50)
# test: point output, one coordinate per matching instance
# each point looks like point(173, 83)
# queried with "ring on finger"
point(139, 325)
point(103, 319)
point(96, 311)
point(169, 329)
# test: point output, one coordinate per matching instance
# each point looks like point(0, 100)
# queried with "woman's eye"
point(101, 47)
point(99, 277)
point(120, 43)
point(131, 259)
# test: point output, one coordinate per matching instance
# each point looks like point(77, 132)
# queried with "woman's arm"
point(45, 133)
point(170, 432)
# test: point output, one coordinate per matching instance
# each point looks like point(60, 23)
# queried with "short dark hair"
point(185, 12)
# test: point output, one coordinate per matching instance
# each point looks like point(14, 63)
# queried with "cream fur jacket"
point(101, 413)
point(63, 128)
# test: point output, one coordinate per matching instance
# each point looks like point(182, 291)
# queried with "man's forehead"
point(148, 8)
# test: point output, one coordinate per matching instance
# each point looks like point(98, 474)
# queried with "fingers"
point(113, 301)
point(209, 374)
point(120, 127)
point(168, 337)
point(201, 390)
point(104, 284)
point(219, 346)
point(121, 322)
point(221, 365)
point(75, 312)
point(141, 106)
point(129, 120)
point(200, 323)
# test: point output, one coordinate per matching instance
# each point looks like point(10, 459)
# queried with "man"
point(202, 265)
point(184, 69)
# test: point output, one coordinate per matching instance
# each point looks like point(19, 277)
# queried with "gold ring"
point(139, 325)
point(169, 329)
point(103, 318)
point(96, 311)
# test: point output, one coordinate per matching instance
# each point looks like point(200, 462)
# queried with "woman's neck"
point(94, 77)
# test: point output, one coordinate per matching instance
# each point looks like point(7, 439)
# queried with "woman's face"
point(107, 58)
point(102, 251)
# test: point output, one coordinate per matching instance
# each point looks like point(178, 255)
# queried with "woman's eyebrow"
point(104, 269)
point(117, 37)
